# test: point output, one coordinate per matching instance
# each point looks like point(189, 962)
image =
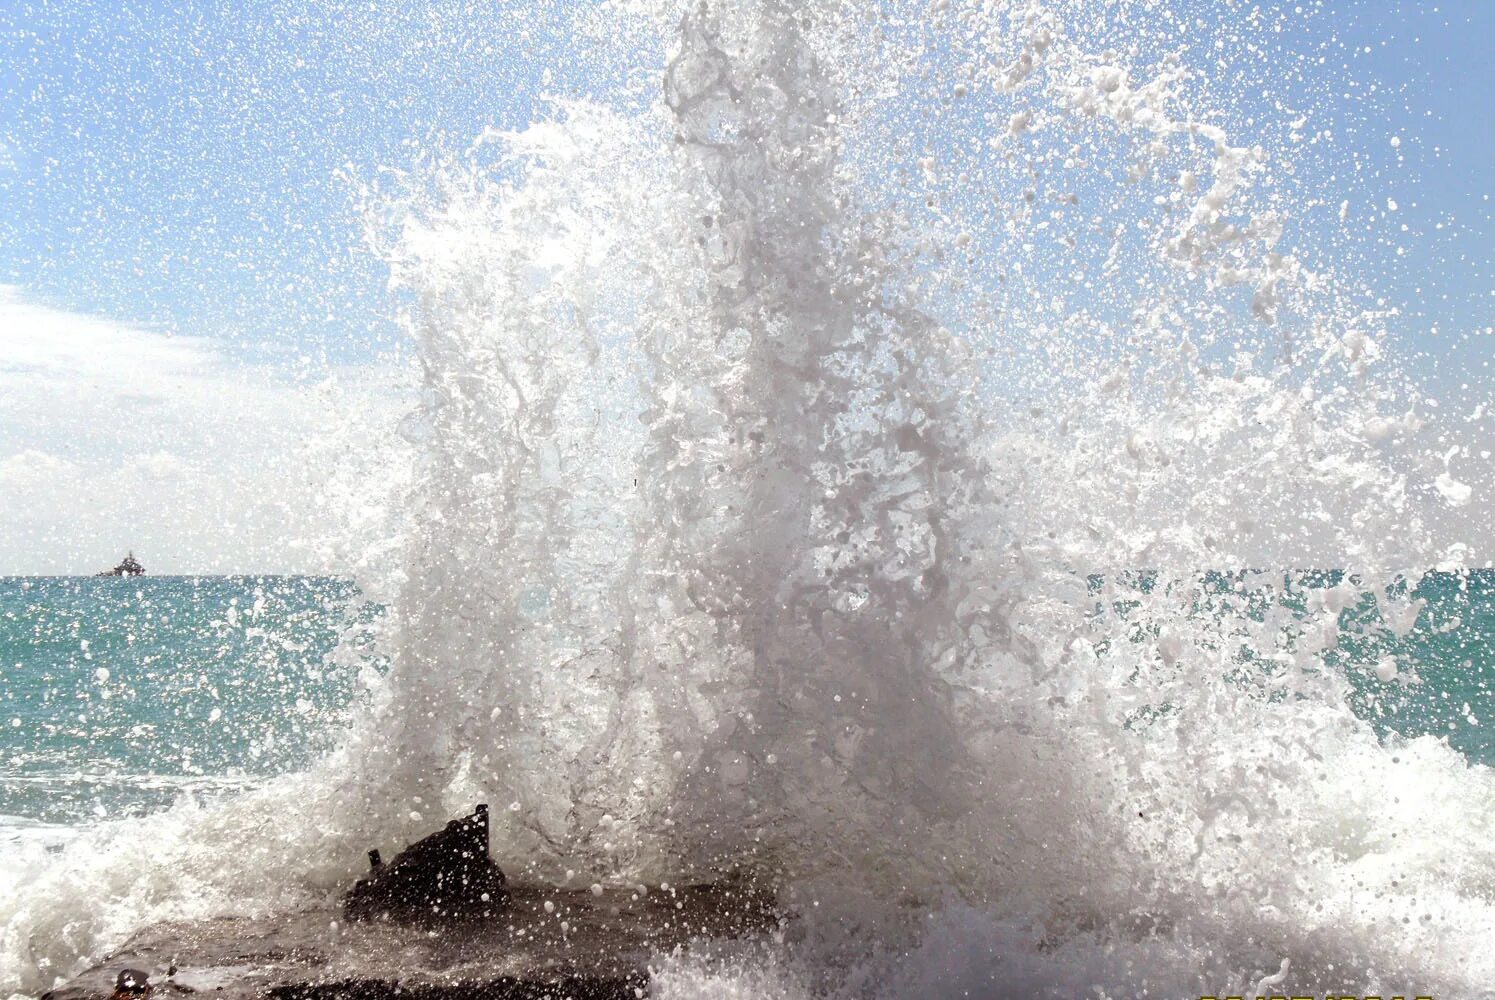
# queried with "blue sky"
point(1416, 74)
point(178, 167)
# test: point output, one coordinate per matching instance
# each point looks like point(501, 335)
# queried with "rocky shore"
point(548, 944)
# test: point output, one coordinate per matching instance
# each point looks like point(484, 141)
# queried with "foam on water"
point(733, 541)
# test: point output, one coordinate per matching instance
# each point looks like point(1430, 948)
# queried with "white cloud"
point(42, 342)
point(113, 438)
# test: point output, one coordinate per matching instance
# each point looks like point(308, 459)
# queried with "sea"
point(123, 696)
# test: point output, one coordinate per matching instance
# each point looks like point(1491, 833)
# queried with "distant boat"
point(128, 567)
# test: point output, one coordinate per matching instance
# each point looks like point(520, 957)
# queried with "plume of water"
point(806, 567)
point(832, 615)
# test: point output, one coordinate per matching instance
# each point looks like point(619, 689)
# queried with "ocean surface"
point(121, 696)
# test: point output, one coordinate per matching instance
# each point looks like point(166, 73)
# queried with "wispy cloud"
point(114, 437)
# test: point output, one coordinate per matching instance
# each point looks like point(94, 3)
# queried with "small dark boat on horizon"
point(127, 567)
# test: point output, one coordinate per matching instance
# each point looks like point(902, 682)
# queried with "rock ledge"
point(550, 944)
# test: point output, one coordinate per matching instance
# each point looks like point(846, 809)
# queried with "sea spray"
point(733, 540)
point(810, 427)
point(812, 621)
point(798, 556)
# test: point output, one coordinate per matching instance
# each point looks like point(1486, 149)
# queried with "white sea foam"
point(735, 541)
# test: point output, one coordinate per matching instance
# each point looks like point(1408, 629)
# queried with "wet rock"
point(446, 878)
point(503, 988)
point(552, 942)
point(132, 983)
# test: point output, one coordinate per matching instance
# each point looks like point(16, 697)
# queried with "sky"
point(187, 308)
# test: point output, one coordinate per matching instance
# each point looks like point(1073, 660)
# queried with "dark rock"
point(132, 983)
point(502, 988)
point(553, 942)
point(442, 879)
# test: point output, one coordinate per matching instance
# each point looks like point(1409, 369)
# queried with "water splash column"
point(820, 475)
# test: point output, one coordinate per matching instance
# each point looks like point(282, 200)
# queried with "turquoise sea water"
point(1444, 659)
point(1450, 651)
point(117, 696)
